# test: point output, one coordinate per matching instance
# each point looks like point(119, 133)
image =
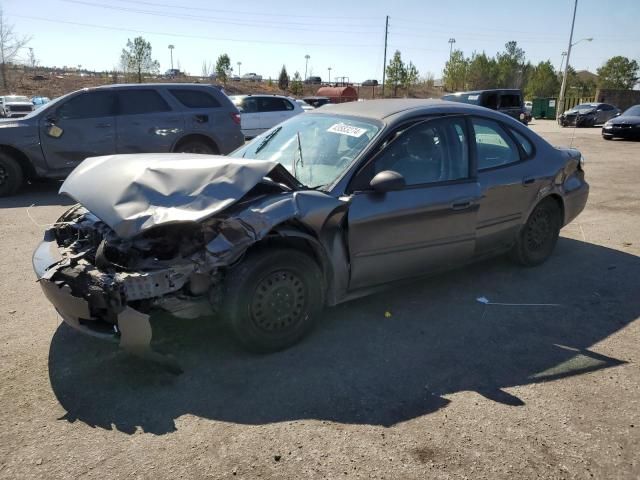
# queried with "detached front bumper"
point(127, 326)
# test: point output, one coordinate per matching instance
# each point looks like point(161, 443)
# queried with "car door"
point(145, 123)
point(605, 112)
point(508, 180)
point(427, 225)
point(83, 126)
point(250, 117)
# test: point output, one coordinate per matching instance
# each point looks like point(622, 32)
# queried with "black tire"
point(272, 298)
point(11, 175)
point(607, 137)
point(538, 237)
point(196, 146)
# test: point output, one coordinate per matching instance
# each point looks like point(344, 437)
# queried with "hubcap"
point(278, 302)
point(539, 230)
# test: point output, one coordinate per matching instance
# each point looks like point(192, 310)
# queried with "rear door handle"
point(528, 180)
point(462, 204)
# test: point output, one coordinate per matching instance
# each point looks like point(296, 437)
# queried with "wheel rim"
point(4, 175)
point(278, 302)
point(539, 231)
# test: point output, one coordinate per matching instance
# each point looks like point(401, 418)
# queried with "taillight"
point(235, 116)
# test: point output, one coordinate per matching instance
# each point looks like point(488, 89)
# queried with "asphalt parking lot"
point(421, 381)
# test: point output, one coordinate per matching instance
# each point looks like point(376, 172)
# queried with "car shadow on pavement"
point(379, 360)
point(42, 193)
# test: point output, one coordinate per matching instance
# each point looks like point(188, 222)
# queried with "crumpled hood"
point(131, 193)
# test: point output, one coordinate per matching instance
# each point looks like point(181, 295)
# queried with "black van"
point(507, 101)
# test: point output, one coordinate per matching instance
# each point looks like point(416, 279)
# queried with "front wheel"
point(272, 298)
point(538, 237)
point(11, 175)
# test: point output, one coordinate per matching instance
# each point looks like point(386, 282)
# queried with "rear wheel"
point(11, 175)
point(539, 236)
point(272, 298)
point(196, 146)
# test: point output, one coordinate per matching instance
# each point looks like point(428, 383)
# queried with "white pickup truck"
point(12, 106)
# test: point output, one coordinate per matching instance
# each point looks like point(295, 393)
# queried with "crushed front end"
point(107, 286)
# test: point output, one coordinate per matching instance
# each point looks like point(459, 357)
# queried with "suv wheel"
point(272, 298)
point(11, 175)
point(196, 146)
point(539, 236)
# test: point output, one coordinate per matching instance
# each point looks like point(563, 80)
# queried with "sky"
point(347, 36)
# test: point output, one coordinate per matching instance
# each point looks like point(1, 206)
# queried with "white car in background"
point(259, 113)
point(305, 106)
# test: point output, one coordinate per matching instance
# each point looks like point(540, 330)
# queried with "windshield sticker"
point(474, 97)
point(344, 129)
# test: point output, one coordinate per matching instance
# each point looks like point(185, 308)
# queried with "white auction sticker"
point(344, 129)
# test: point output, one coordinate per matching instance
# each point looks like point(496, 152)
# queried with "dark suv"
point(508, 101)
point(146, 118)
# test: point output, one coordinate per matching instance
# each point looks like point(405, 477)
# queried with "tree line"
point(510, 69)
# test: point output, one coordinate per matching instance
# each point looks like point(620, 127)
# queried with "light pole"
point(239, 63)
point(563, 88)
point(306, 62)
point(451, 42)
point(329, 74)
point(171, 47)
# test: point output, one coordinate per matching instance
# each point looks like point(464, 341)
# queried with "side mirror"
point(387, 181)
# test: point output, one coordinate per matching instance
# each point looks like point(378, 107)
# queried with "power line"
point(206, 9)
point(201, 37)
point(199, 18)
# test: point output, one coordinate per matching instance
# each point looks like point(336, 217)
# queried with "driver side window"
point(430, 152)
point(88, 105)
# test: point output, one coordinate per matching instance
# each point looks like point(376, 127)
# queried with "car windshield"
point(16, 98)
point(632, 111)
point(316, 149)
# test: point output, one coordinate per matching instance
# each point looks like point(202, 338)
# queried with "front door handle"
point(528, 180)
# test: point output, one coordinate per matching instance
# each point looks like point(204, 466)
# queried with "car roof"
point(509, 90)
point(384, 108)
point(154, 85)
point(256, 95)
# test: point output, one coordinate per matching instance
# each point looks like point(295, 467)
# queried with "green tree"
point(543, 81)
point(283, 79)
point(223, 66)
point(482, 72)
point(136, 58)
point(296, 84)
point(410, 77)
point(618, 72)
point(396, 72)
point(455, 71)
point(511, 66)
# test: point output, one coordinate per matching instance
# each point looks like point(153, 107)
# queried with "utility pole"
point(384, 65)
point(563, 88)
point(451, 42)
point(564, 54)
point(239, 63)
point(329, 74)
point(171, 47)
point(306, 63)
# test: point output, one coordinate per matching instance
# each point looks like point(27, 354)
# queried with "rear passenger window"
point(524, 142)
point(494, 146)
point(194, 98)
point(273, 104)
point(135, 102)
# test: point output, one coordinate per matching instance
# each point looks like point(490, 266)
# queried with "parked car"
point(14, 106)
point(370, 83)
point(262, 112)
point(304, 105)
point(316, 101)
point(588, 115)
point(252, 77)
point(626, 125)
point(39, 101)
point(313, 80)
point(327, 206)
point(507, 101)
point(167, 117)
point(173, 73)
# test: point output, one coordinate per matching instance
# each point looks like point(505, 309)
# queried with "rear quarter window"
point(194, 98)
point(524, 142)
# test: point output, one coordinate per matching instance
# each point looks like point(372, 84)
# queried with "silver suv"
point(114, 119)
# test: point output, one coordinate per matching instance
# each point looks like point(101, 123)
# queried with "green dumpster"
point(544, 108)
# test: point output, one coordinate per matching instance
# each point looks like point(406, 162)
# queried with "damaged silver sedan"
point(325, 207)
